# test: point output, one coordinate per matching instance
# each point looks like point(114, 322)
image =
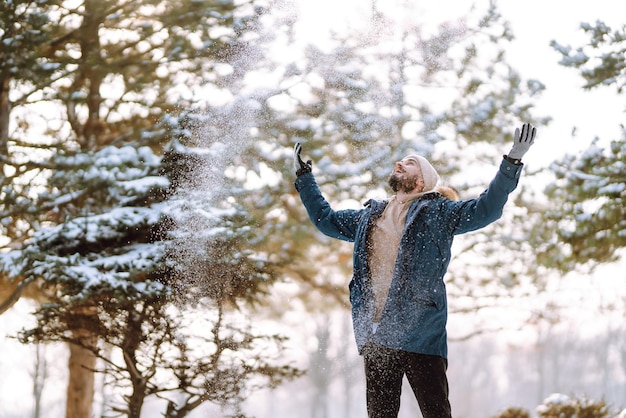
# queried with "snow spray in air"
point(204, 204)
point(216, 146)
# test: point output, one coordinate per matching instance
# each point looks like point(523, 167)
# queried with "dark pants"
point(384, 370)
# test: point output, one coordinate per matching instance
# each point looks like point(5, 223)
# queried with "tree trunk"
point(39, 378)
point(80, 388)
point(130, 347)
point(5, 110)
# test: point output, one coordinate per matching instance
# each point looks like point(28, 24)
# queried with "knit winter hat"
point(431, 178)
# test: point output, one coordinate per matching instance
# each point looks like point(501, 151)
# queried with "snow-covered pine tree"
point(102, 245)
point(589, 190)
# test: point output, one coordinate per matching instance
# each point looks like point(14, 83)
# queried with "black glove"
point(300, 166)
point(522, 141)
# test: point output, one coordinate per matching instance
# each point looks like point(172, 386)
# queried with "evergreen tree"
point(114, 239)
point(589, 190)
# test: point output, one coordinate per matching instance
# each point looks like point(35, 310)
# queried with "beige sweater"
point(383, 249)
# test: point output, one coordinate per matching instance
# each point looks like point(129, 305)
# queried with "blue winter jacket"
point(415, 313)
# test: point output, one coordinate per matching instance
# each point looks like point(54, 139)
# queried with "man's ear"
point(419, 187)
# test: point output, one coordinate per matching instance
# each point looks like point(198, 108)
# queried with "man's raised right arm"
point(340, 224)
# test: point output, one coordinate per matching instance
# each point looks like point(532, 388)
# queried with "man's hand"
point(522, 141)
point(300, 166)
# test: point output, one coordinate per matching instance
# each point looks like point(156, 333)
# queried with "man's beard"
point(399, 182)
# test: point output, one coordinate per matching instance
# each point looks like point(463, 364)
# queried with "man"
point(401, 254)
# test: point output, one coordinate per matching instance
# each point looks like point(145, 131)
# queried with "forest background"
point(152, 227)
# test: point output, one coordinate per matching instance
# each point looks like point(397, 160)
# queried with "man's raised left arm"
point(487, 208)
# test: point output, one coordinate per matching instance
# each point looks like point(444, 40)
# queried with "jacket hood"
point(448, 192)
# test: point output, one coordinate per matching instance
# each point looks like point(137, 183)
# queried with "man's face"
point(407, 177)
